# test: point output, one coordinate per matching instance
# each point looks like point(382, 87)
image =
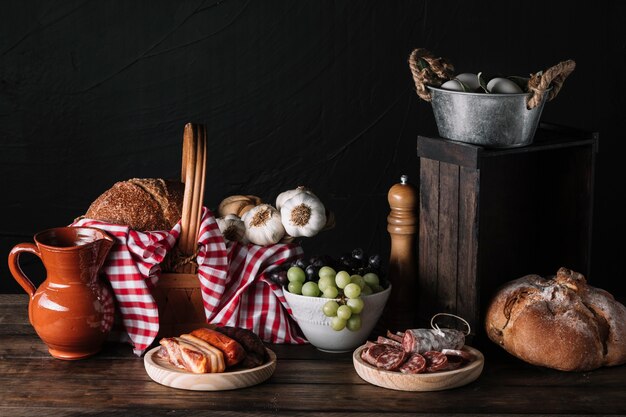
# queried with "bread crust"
point(143, 204)
point(561, 323)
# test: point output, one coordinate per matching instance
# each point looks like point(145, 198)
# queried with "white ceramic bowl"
point(307, 311)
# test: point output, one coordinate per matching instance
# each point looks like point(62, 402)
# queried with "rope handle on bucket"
point(540, 82)
point(427, 70)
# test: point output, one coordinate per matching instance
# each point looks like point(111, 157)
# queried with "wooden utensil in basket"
point(177, 293)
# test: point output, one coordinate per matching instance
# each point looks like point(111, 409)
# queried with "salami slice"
point(424, 340)
point(454, 362)
point(435, 361)
point(391, 358)
point(395, 336)
point(386, 341)
point(369, 354)
point(416, 364)
point(458, 352)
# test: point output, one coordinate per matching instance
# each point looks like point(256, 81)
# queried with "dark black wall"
point(292, 92)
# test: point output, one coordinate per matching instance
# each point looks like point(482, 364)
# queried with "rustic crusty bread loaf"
point(561, 323)
point(143, 204)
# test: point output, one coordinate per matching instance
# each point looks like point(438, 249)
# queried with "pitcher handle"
point(16, 270)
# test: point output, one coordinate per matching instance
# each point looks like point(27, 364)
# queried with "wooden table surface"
point(306, 382)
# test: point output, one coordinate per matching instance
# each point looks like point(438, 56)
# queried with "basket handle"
point(428, 70)
point(540, 82)
point(193, 173)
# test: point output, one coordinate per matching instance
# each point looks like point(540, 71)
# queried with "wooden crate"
point(490, 216)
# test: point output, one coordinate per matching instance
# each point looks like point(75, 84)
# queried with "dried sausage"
point(232, 350)
point(255, 349)
point(423, 340)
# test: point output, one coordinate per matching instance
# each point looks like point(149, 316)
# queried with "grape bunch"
point(356, 262)
point(343, 282)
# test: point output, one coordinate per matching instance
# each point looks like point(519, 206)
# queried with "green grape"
point(344, 312)
point(352, 290)
point(327, 271)
point(330, 292)
point(326, 282)
point(367, 290)
point(356, 305)
point(337, 324)
point(354, 323)
point(296, 274)
point(310, 289)
point(295, 287)
point(371, 279)
point(342, 279)
point(330, 308)
point(358, 280)
point(377, 288)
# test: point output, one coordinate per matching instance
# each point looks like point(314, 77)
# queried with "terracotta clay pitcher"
point(72, 311)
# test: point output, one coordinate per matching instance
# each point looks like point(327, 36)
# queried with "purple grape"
point(312, 273)
point(348, 264)
point(344, 258)
point(301, 263)
point(281, 278)
point(358, 254)
point(317, 260)
point(374, 261)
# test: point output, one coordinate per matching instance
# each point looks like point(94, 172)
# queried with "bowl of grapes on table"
point(335, 301)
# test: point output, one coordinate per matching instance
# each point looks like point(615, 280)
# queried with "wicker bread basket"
point(177, 293)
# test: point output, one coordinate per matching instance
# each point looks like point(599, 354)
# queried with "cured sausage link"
point(424, 340)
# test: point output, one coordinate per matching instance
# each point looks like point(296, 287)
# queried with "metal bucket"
point(490, 120)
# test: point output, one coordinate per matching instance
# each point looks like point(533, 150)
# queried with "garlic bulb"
point(237, 205)
point(286, 195)
point(303, 215)
point(232, 228)
point(263, 225)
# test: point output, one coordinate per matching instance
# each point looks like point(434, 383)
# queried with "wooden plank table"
point(306, 382)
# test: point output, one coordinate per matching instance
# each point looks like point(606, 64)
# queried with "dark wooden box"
point(488, 216)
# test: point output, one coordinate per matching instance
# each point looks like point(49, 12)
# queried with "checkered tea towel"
point(234, 279)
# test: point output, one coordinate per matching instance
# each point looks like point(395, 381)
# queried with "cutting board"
point(436, 381)
point(164, 373)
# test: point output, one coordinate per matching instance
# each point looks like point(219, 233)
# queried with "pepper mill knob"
point(401, 309)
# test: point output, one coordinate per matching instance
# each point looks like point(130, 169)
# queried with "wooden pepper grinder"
point(401, 309)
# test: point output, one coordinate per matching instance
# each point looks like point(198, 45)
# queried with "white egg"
point(503, 86)
point(469, 79)
point(452, 85)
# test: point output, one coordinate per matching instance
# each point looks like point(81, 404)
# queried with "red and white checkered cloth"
point(236, 289)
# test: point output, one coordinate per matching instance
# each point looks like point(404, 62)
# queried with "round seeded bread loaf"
point(561, 323)
point(143, 204)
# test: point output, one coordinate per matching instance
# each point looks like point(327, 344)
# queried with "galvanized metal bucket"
point(490, 120)
point(486, 119)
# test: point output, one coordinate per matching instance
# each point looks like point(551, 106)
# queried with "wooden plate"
point(436, 381)
point(164, 373)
